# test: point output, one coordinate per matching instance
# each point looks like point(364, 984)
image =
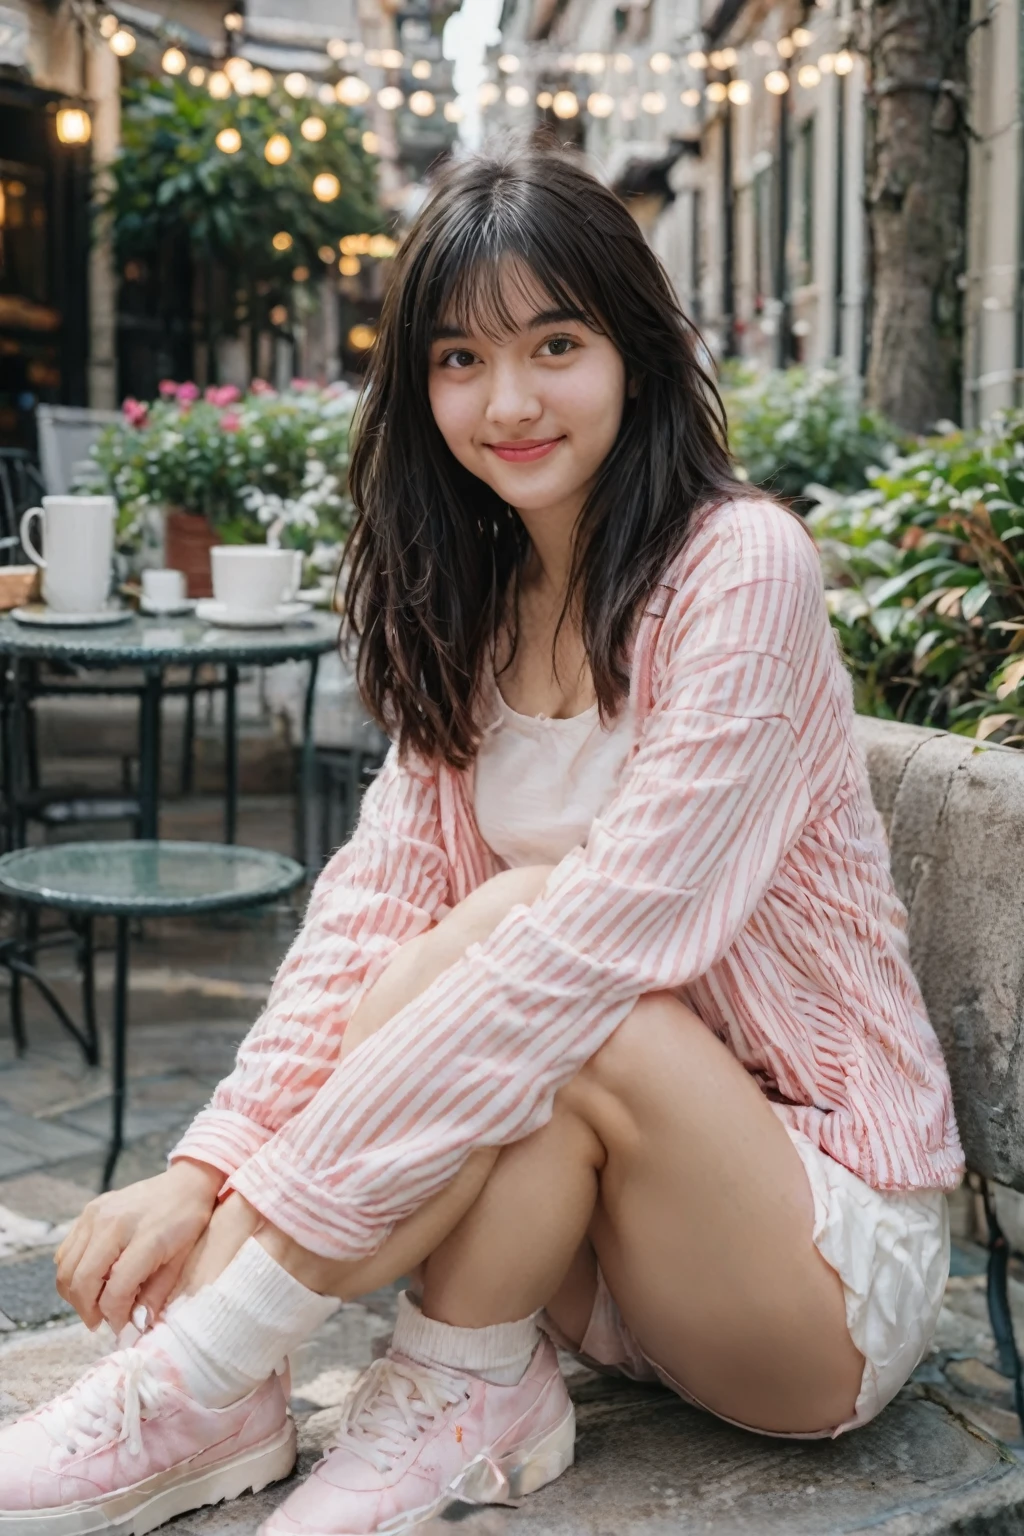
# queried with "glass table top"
point(138, 878)
point(164, 640)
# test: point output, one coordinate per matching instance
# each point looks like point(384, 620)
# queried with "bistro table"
point(154, 644)
point(126, 880)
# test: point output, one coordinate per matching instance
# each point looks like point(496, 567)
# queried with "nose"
point(513, 398)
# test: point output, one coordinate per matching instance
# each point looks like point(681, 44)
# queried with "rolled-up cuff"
point(223, 1138)
point(304, 1212)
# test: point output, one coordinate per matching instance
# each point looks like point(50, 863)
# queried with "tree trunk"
point(916, 189)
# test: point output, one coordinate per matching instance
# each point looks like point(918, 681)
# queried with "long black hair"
point(433, 549)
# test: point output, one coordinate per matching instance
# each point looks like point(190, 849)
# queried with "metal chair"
point(66, 433)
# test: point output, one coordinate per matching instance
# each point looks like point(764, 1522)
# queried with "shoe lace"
point(105, 1407)
point(397, 1402)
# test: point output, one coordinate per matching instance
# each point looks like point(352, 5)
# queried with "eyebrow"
point(544, 317)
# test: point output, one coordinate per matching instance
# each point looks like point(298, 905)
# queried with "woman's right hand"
point(129, 1246)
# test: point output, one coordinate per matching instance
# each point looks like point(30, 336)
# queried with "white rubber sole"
point(141, 1508)
point(530, 1466)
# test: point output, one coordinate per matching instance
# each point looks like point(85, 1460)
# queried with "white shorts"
point(891, 1251)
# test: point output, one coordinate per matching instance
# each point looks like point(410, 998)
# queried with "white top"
point(541, 781)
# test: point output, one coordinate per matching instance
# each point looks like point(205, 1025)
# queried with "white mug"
point(254, 578)
point(163, 589)
point(78, 537)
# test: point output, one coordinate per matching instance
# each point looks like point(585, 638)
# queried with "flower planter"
point(189, 538)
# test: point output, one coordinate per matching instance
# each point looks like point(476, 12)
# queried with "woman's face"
point(535, 413)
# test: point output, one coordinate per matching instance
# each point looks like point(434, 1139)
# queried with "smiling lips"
point(526, 450)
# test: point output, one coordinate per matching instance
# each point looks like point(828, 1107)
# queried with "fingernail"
point(141, 1318)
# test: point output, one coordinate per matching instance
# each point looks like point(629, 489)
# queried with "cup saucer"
point(166, 610)
point(52, 618)
point(212, 612)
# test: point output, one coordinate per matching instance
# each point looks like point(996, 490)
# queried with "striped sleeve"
point(388, 883)
point(711, 802)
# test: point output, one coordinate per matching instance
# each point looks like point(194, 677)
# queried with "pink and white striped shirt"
point(740, 864)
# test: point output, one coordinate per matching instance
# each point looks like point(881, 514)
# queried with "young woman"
point(602, 1026)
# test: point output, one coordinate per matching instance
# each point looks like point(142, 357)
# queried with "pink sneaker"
point(127, 1448)
point(415, 1437)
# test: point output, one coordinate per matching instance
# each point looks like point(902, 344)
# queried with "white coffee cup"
point(78, 537)
point(163, 590)
point(252, 578)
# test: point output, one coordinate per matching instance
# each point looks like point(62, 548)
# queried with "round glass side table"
point(126, 880)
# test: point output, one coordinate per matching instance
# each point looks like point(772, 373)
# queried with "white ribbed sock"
point(499, 1353)
point(233, 1334)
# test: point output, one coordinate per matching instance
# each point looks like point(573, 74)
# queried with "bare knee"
point(479, 913)
point(620, 1072)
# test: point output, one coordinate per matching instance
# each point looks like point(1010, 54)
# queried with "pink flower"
point(230, 421)
point(135, 412)
point(300, 384)
point(222, 394)
point(261, 387)
point(168, 389)
point(187, 393)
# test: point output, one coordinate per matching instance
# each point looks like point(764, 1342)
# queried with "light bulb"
point(844, 62)
point(544, 100)
point(326, 254)
point(74, 125)
point(809, 75)
point(802, 36)
point(652, 102)
point(313, 129)
point(362, 337)
point(278, 315)
point(282, 241)
point(660, 63)
point(262, 82)
point(300, 274)
point(739, 92)
point(196, 75)
point(390, 58)
point(422, 103)
point(517, 96)
point(722, 58)
point(698, 59)
point(325, 94)
point(277, 149)
point(109, 25)
point(354, 245)
point(219, 86)
point(564, 104)
point(296, 83)
point(600, 104)
point(390, 98)
point(123, 42)
point(351, 91)
point(234, 22)
point(421, 69)
point(453, 112)
point(350, 266)
point(235, 68)
point(228, 141)
point(690, 97)
point(370, 142)
point(716, 91)
point(244, 85)
point(508, 63)
point(785, 47)
point(488, 93)
point(622, 63)
point(776, 81)
point(326, 187)
point(381, 246)
point(337, 48)
point(173, 62)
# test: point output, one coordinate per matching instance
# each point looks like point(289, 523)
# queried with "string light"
point(173, 62)
point(809, 75)
point(660, 63)
point(776, 81)
point(326, 187)
point(337, 48)
point(421, 69)
point(219, 86)
point(228, 141)
point(262, 82)
point(697, 59)
point(591, 63)
point(351, 91)
point(785, 47)
point(235, 68)
point(123, 42)
point(827, 63)
point(488, 94)
point(373, 58)
point(350, 266)
point(370, 142)
point(802, 37)
point(844, 62)
point(739, 92)
point(277, 149)
point(424, 104)
point(326, 254)
point(282, 241)
point(234, 22)
point(600, 104)
point(390, 58)
point(723, 58)
point(381, 246)
point(325, 94)
point(564, 104)
point(362, 337)
point(690, 97)
point(313, 129)
point(300, 274)
point(390, 98)
point(508, 63)
point(622, 63)
point(716, 91)
point(278, 315)
point(652, 102)
point(517, 96)
point(74, 125)
point(453, 112)
point(108, 26)
point(296, 83)
point(354, 245)
point(196, 75)
point(544, 100)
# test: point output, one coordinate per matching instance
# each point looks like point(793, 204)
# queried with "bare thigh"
point(703, 1229)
